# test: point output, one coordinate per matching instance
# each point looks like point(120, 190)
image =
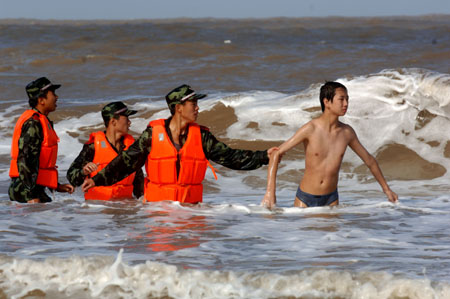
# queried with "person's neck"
point(331, 121)
point(113, 137)
point(41, 109)
point(177, 127)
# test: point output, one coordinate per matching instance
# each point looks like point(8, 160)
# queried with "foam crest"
point(103, 277)
point(406, 106)
point(372, 97)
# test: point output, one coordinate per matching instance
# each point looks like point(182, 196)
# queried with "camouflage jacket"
point(214, 150)
point(24, 188)
point(75, 172)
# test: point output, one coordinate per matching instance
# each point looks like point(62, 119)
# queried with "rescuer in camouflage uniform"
point(24, 188)
point(135, 157)
point(76, 173)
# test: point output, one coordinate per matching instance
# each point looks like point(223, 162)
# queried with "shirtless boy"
point(325, 140)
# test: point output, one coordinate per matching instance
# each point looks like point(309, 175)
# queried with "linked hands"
point(87, 184)
point(89, 168)
point(65, 188)
point(271, 150)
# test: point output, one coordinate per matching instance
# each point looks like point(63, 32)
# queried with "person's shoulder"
point(90, 141)
point(147, 131)
point(157, 122)
point(311, 125)
point(146, 134)
point(32, 121)
point(34, 117)
point(203, 128)
point(313, 122)
point(346, 127)
point(348, 130)
point(92, 136)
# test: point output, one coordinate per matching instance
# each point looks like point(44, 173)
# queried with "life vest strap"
point(212, 169)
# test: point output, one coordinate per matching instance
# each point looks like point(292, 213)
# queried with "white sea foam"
point(95, 277)
point(239, 240)
point(389, 101)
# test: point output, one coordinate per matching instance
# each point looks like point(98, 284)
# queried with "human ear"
point(112, 121)
point(41, 100)
point(178, 107)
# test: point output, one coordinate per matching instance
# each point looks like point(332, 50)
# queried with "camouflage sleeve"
point(28, 159)
point(236, 159)
point(126, 162)
point(75, 174)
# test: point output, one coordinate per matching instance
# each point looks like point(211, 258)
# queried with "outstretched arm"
point(301, 135)
point(270, 198)
point(237, 159)
point(372, 163)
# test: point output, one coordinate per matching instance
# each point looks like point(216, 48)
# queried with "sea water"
point(262, 78)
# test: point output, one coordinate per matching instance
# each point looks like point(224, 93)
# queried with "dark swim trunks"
point(317, 200)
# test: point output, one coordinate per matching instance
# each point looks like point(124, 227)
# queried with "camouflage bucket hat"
point(37, 87)
point(181, 94)
point(116, 108)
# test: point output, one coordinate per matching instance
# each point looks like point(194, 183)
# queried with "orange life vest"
point(47, 174)
point(104, 153)
point(162, 182)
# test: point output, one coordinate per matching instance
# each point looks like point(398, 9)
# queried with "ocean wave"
point(398, 115)
point(101, 277)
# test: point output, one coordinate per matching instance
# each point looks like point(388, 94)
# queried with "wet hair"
point(328, 91)
point(34, 100)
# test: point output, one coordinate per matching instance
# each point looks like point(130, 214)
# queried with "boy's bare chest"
point(324, 144)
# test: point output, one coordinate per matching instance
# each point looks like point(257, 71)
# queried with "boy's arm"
point(301, 135)
point(270, 198)
point(372, 163)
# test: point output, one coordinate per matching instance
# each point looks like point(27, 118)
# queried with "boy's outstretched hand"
point(391, 195)
point(269, 201)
